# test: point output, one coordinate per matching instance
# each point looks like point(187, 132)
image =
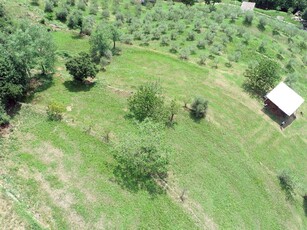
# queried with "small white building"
point(248, 6)
point(283, 102)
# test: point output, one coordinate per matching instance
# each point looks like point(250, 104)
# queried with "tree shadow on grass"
point(195, 118)
point(305, 204)
point(74, 86)
point(252, 92)
point(127, 180)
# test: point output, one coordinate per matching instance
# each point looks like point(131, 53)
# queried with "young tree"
point(173, 110)
point(100, 42)
point(81, 67)
point(147, 102)
point(262, 77)
point(115, 35)
point(143, 157)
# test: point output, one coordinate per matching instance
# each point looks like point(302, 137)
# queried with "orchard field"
point(223, 169)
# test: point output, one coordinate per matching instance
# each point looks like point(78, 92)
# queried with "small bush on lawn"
point(55, 111)
point(199, 108)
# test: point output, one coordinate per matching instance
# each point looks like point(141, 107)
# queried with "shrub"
point(165, 40)
point(127, 39)
point(174, 35)
point(191, 36)
point(174, 48)
point(81, 67)
point(48, 7)
point(262, 46)
point(62, 14)
point(201, 44)
point(237, 56)
point(55, 111)
point(106, 14)
point(202, 60)
point(199, 108)
point(81, 5)
point(184, 54)
point(248, 18)
point(88, 25)
point(262, 23)
point(75, 20)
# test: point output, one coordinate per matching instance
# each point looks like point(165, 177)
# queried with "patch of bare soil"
point(120, 92)
point(5, 130)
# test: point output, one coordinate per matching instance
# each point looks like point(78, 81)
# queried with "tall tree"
point(262, 77)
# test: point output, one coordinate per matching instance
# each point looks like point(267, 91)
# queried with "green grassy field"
point(59, 175)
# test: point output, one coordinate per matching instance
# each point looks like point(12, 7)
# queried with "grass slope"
point(61, 173)
point(228, 163)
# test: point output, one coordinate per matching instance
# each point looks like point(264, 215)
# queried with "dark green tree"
point(13, 78)
point(81, 67)
point(189, 2)
point(304, 14)
point(199, 108)
point(262, 77)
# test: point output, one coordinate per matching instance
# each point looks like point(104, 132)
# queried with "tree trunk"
point(114, 45)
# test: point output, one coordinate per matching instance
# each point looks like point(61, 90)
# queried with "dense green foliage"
point(147, 102)
point(282, 4)
point(262, 77)
point(144, 156)
point(199, 108)
point(13, 78)
point(81, 67)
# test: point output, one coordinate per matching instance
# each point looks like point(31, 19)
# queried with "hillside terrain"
point(223, 169)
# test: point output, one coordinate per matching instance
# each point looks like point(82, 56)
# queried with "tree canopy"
point(148, 102)
point(262, 77)
point(81, 67)
point(143, 156)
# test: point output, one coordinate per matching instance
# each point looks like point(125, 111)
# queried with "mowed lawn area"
point(61, 173)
